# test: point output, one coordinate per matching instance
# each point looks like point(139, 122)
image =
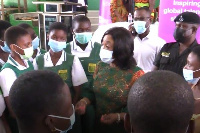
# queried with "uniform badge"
point(165, 54)
point(63, 74)
point(91, 67)
point(181, 18)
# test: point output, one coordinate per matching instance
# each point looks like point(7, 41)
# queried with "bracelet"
point(118, 117)
point(84, 101)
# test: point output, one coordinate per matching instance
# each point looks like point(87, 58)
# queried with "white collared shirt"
point(77, 51)
point(78, 73)
point(8, 76)
point(146, 50)
point(2, 62)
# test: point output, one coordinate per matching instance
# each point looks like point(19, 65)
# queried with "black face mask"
point(179, 35)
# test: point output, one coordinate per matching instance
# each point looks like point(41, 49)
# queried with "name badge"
point(165, 54)
point(63, 74)
point(91, 67)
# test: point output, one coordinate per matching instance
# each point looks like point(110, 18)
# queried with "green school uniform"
point(64, 70)
point(11, 121)
point(89, 65)
point(15, 69)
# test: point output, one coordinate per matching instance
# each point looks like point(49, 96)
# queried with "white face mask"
point(71, 118)
point(28, 52)
point(189, 77)
point(106, 55)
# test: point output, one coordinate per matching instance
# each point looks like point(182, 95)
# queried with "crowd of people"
point(133, 81)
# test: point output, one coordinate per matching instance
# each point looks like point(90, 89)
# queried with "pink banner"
point(169, 9)
point(104, 12)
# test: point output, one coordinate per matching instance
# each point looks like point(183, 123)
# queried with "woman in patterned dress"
point(114, 76)
point(118, 10)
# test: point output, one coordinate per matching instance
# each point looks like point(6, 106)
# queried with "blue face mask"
point(188, 75)
point(5, 48)
point(72, 121)
point(56, 46)
point(83, 38)
point(35, 43)
point(140, 26)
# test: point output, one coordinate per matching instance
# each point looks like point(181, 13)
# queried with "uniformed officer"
point(173, 56)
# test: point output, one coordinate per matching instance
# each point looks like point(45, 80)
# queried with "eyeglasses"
point(141, 19)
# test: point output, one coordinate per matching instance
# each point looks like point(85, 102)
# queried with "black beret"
point(188, 17)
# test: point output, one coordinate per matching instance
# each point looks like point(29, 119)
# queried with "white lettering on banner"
point(174, 10)
point(186, 3)
point(191, 10)
point(183, 4)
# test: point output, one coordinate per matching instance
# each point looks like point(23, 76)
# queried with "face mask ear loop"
point(189, 35)
point(146, 23)
point(187, 129)
point(19, 48)
point(60, 117)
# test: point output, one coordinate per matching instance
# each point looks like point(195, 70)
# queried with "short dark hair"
point(25, 26)
point(58, 26)
point(80, 18)
point(34, 94)
point(13, 33)
point(145, 8)
point(196, 51)
point(160, 102)
point(4, 25)
point(123, 47)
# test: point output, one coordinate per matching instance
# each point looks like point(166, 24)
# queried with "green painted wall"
point(92, 4)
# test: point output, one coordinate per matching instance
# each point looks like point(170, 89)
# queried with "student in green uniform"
point(4, 50)
point(88, 53)
point(17, 64)
point(62, 63)
point(35, 42)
